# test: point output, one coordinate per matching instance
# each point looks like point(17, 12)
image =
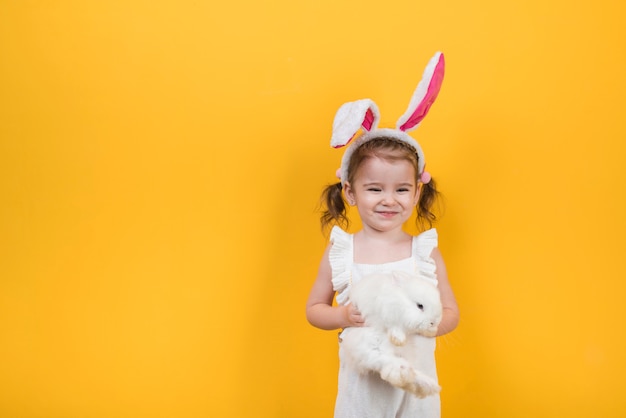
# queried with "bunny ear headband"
point(364, 113)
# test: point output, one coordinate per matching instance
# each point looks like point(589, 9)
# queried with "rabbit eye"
point(420, 306)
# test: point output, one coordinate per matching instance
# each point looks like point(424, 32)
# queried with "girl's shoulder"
point(340, 260)
point(337, 233)
point(428, 235)
point(341, 243)
point(425, 242)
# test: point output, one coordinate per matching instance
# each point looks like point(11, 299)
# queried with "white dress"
point(368, 396)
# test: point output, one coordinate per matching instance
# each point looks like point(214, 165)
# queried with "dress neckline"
point(405, 259)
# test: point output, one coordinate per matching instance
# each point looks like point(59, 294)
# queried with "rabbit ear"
point(424, 95)
point(352, 116)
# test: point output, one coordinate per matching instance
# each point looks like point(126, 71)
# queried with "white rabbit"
point(395, 306)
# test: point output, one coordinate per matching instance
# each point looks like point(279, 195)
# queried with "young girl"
point(382, 175)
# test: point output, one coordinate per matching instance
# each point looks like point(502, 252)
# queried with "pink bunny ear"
point(424, 95)
point(350, 118)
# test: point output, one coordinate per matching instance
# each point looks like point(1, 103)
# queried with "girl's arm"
point(450, 318)
point(320, 311)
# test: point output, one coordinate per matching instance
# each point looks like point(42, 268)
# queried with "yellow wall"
point(160, 165)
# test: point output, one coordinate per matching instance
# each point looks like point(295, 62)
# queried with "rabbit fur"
point(395, 306)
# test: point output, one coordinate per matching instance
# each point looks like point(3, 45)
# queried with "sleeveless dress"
point(368, 396)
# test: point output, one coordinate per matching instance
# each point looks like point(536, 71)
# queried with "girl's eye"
point(373, 189)
point(403, 190)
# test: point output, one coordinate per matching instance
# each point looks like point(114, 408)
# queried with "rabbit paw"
point(398, 373)
point(397, 336)
point(422, 386)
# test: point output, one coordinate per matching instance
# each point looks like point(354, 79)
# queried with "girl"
point(383, 175)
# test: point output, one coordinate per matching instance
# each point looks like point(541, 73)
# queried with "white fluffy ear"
point(424, 95)
point(350, 118)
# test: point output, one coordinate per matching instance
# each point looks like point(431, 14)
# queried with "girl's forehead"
point(381, 169)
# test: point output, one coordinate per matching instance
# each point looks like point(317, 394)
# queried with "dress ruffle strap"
point(423, 246)
point(340, 257)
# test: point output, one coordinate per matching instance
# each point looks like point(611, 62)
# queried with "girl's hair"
point(388, 149)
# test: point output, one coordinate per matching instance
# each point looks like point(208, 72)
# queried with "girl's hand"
point(353, 316)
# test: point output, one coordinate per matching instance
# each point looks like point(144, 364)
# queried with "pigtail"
point(429, 195)
point(335, 212)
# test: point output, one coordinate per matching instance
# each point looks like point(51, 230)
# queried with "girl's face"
point(385, 193)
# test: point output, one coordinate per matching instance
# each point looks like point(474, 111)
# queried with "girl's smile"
point(387, 214)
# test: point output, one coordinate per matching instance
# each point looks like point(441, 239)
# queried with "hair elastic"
point(364, 113)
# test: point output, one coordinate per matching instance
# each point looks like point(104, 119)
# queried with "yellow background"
point(160, 166)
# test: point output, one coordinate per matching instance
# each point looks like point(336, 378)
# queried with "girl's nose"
point(388, 199)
